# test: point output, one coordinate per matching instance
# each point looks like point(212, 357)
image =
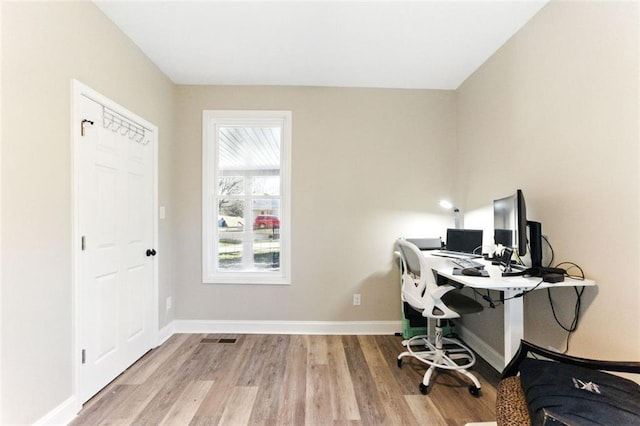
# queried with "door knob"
point(151, 252)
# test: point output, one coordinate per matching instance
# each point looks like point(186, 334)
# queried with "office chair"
point(440, 302)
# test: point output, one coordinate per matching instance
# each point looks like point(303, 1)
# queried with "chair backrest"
point(419, 286)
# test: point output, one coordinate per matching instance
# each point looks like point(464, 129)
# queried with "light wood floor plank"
point(425, 410)
point(407, 379)
point(148, 365)
point(165, 397)
point(344, 402)
point(449, 392)
point(165, 374)
point(292, 403)
point(317, 350)
point(318, 396)
point(238, 410)
point(396, 408)
point(187, 403)
point(271, 380)
point(109, 399)
point(370, 404)
point(284, 380)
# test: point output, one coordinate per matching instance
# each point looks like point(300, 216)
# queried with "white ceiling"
point(393, 44)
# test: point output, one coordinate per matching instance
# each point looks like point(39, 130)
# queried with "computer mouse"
point(474, 272)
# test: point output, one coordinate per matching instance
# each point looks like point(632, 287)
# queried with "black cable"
point(494, 303)
point(487, 298)
point(573, 265)
point(576, 314)
point(553, 253)
point(524, 292)
point(576, 311)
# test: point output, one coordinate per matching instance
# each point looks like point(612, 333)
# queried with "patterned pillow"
point(511, 405)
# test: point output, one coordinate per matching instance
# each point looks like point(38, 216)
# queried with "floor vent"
point(207, 340)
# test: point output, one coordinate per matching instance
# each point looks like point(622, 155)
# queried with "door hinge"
point(84, 356)
point(83, 243)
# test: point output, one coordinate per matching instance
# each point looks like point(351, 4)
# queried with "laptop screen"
point(464, 240)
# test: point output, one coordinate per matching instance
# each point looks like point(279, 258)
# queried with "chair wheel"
point(424, 389)
point(474, 390)
point(399, 362)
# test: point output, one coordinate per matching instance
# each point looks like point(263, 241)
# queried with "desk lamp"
point(457, 217)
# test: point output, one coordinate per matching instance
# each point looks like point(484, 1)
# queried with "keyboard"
point(467, 263)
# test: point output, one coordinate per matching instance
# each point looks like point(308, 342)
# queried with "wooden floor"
point(197, 379)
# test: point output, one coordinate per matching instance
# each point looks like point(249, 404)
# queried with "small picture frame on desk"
point(509, 269)
point(505, 259)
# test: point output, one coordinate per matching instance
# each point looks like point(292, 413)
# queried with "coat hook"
point(82, 123)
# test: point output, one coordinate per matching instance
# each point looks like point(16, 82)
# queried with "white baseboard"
point(63, 414)
point(165, 332)
point(287, 327)
point(486, 352)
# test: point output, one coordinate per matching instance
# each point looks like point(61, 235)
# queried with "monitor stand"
point(536, 271)
point(541, 271)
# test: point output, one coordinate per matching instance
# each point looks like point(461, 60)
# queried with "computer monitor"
point(510, 222)
point(510, 227)
point(464, 240)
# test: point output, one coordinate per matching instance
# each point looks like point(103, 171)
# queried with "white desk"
point(511, 286)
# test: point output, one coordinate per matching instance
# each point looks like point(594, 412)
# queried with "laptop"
point(462, 243)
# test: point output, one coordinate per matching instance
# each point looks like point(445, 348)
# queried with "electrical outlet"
point(356, 299)
point(169, 303)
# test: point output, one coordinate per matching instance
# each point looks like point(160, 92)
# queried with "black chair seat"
point(460, 303)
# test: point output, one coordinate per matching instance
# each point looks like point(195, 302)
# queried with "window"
point(245, 197)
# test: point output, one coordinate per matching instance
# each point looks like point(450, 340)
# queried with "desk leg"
point(513, 324)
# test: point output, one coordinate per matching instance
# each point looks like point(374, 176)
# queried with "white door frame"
point(79, 89)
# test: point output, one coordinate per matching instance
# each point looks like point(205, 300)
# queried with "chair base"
point(441, 352)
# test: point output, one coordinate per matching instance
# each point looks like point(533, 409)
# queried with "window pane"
point(231, 185)
point(229, 252)
point(231, 212)
point(266, 185)
point(266, 253)
point(266, 213)
point(249, 148)
point(230, 215)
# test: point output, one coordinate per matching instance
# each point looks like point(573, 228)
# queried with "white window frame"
point(211, 119)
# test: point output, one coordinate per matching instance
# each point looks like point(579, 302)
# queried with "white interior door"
point(115, 221)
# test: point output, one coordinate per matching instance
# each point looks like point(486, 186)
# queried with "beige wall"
point(369, 166)
point(555, 113)
point(44, 46)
